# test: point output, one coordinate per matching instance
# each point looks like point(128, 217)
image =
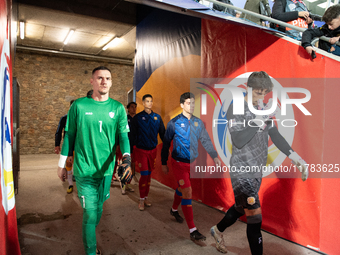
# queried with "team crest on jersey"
point(111, 114)
point(155, 118)
point(143, 118)
point(181, 182)
point(196, 124)
point(182, 125)
point(251, 200)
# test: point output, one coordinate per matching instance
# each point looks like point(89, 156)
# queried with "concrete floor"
point(49, 220)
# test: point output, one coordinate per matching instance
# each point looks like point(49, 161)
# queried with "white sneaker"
point(147, 202)
point(141, 205)
point(220, 246)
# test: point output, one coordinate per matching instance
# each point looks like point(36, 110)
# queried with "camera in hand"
point(315, 17)
point(313, 54)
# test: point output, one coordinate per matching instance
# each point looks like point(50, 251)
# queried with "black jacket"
point(59, 132)
point(279, 12)
point(309, 34)
point(222, 9)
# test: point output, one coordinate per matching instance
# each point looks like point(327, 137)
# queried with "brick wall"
point(47, 84)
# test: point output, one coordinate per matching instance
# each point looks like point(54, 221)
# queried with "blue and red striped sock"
point(177, 199)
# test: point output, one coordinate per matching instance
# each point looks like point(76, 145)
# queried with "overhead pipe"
point(79, 55)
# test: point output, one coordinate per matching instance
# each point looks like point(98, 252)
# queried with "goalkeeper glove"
point(124, 170)
point(300, 164)
point(266, 117)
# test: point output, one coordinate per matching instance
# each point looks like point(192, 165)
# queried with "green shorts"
point(93, 191)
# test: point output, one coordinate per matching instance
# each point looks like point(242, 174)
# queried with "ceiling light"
point(112, 43)
point(22, 30)
point(68, 37)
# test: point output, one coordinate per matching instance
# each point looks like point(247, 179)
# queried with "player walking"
point(250, 149)
point(145, 127)
point(185, 130)
point(92, 126)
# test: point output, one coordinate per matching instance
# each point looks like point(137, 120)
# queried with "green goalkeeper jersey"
point(92, 130)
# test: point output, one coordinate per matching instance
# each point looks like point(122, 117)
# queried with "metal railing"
point(263, 17)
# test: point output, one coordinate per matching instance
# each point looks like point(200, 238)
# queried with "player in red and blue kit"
point(185, 130)
point(145, 127)
point(131, 108)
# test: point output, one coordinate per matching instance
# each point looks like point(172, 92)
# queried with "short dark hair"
point(186, 96)
point(89, 93)
point(331, 13)
point(145, 96)
point(71, 102)
point(129, 104)
point(100, 68)
point(260, 80)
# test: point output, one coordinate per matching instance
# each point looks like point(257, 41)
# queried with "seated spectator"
point(224, 9)
point(257, 6)
point(293, 12)
point(238, 14)
point(330, 29)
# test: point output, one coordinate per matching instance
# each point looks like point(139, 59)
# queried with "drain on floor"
point(32, 218)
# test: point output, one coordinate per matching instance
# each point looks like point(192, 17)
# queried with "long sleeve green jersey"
point(92, 129)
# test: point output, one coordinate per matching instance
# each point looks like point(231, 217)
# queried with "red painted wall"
point(303, 212)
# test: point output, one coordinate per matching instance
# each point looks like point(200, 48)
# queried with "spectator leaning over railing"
point(293, 12)
point(330, 29)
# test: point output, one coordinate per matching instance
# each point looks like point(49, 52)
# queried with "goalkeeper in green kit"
point(93, 124)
